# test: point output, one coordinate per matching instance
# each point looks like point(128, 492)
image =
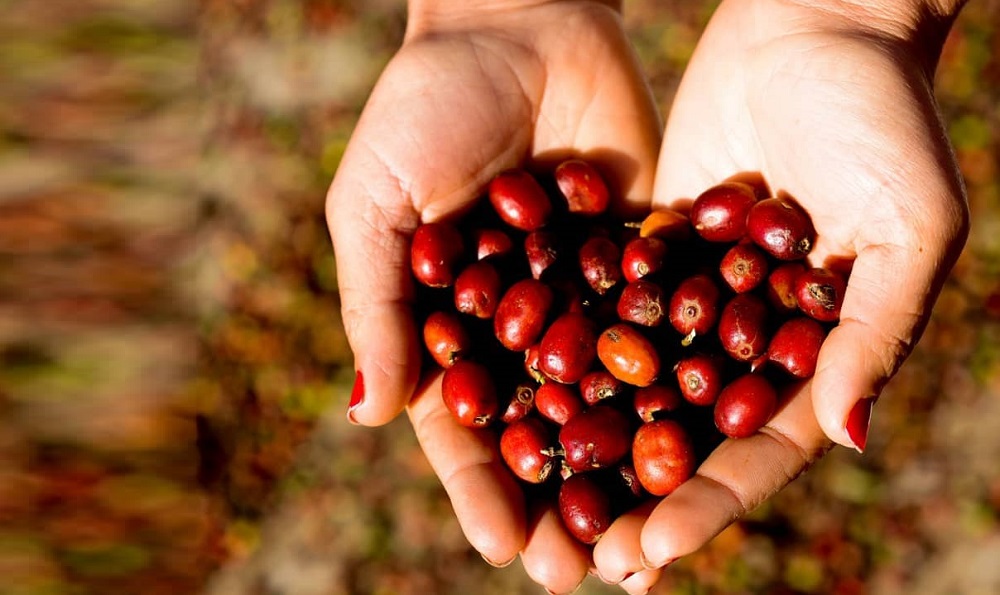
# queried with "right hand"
point(474, 91)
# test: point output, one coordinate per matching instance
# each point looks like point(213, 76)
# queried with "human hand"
point(478, 87)
point(834, 106)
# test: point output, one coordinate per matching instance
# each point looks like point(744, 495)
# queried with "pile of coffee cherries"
point(610, 356)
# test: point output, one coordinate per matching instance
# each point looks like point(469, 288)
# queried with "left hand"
point(834, 107)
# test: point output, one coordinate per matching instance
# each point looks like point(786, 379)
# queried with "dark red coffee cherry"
point(743, 327)
point(643, 303)
point(595, 438)
point(522, 313)
point(795, 346)
point(520, 200)
point(531, 365)
point(445, 338)
point(820, 293)
point(720, 213)
point(526, 449)
point(492, 242)
point(745, 405)
point(600, 261)
point(700, 377)
point(599, 385)
point(521, 403)
point(478, 289)
point(541, 249)
point(585, 190)
point(558, 402)
point(435, 252)
point(468, 391)
point(781, 228)
point(694, 307)
point(781, 287)
point(568, 348)
point(743, 267)
point(653, 401)
point(663, 456)
point(642, 257)
point(585, 508)
point(628, 355)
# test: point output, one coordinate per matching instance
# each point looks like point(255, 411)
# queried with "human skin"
point(477, 88)
point(831, 101)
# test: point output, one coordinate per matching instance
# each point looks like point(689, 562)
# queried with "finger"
point(552, 557)
point(618, 554)
point(488, 503)
point(736, 477)
point(407, 163)
point(889, 297)
point(641, 582)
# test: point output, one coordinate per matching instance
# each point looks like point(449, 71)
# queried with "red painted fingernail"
point(357, 396)
point(857, 423)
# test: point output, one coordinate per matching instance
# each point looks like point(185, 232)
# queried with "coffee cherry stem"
point(689, 338)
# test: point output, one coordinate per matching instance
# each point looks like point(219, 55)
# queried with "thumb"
point(406, 163)
point(891, 290)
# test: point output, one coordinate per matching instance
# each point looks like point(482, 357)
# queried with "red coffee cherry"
point(719, 214)
point(795, 346)
point(526, 449)
point(531, 365)
point(745, 405)
point(781, 287)
point(643, 303)
point(558, 402)
point(781, 228)
point(599, 385)
point(694, 307)
point(585, 190)
point(820, 293)
point(628, 355)
point(435, 252)
point(600, 261)
point(568, 348)
point(663, 456)
point(541, 248)
point(521, 314)
point(700, 377)
point(595, 438)
point(478, 289)
point(642, 257)
point(520, 200)
point(743, 267)
point(652, 401)
point(743, 327)
point(521, 403)
point(468, 392)
point(492, 242)
point(445, 338)
point(585, 508)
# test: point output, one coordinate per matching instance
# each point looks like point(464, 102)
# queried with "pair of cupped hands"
point(832, 102)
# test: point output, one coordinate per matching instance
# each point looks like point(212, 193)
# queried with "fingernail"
point(650, 566)
point(357, 396)
point(857, 423)
point(645, 561)
point(498, 564)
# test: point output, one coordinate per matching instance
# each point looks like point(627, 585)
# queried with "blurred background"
point(173, 369)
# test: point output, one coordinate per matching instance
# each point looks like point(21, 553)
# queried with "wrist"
point(433, 15)
point(919, 25)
